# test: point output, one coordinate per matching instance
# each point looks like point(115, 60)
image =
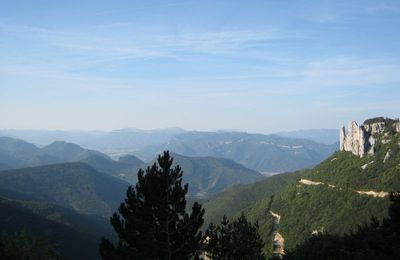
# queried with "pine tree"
point(152, 222)
point(236, 240)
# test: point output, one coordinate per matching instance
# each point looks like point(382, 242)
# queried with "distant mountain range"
point(208, 175)
point(16, 153)
point(116, 142)
point(264, 153)
point(205, 175)
point(146, 144)
point(322, 136)
point(70, 203)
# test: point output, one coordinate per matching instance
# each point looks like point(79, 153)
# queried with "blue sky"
point(258, 66)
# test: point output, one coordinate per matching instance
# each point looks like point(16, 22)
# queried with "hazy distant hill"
point(209, 175)
point(206, 175)
point(265, 153)
point(60, 151)
point(323, 136)
point(16, 153)
point(74, 185)
point(115, 142)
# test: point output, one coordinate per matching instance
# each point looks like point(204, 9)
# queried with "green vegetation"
point(345, 171)
point(207, 176)
point(152, 222)
point(66, 235)
point(317, 208)
point(63, 204)
point(374, 240)
point(74, 185)
point(387, 121)
point(323, 210)
point(238, 239)
point(336, 209)
point(235, 199)
point(22, 246)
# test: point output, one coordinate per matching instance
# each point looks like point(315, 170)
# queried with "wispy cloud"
point(149, 45)
point(384, 7)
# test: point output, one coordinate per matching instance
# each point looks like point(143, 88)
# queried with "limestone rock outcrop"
point(355, 140)
point(398, 127)
point(361, 140)
point(387, 156)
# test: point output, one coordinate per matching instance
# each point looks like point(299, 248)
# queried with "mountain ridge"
point(264, 153)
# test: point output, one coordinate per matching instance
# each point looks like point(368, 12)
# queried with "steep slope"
point(207, 175)
point(74, 185)
point(235, 199)
point(71, 234)
point(15, 153)
point(122, 169)
point(342, 192)
point(61, 151)
point(265, 153)
point(130, 159)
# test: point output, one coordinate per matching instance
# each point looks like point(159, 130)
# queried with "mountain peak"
point(362, 140)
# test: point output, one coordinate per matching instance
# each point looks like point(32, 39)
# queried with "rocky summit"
point(361, 140)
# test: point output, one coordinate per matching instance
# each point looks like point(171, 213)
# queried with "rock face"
point(398, 127)
point(355, 140)
point(387, 156)
point(361, 140)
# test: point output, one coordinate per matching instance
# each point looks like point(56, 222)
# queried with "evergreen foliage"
point(152, 222)
point(74, 185)
point(22, 246)
point(72, 235)
point(208, 176)
point(232, 201)
point(236, 240)
point(372, 241)
point(334, 207)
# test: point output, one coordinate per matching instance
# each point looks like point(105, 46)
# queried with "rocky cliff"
point(361, 140)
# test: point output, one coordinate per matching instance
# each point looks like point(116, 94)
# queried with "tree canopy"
point(152, 222)
point(236, 240)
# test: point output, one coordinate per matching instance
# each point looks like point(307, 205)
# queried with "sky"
point(257, 66)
